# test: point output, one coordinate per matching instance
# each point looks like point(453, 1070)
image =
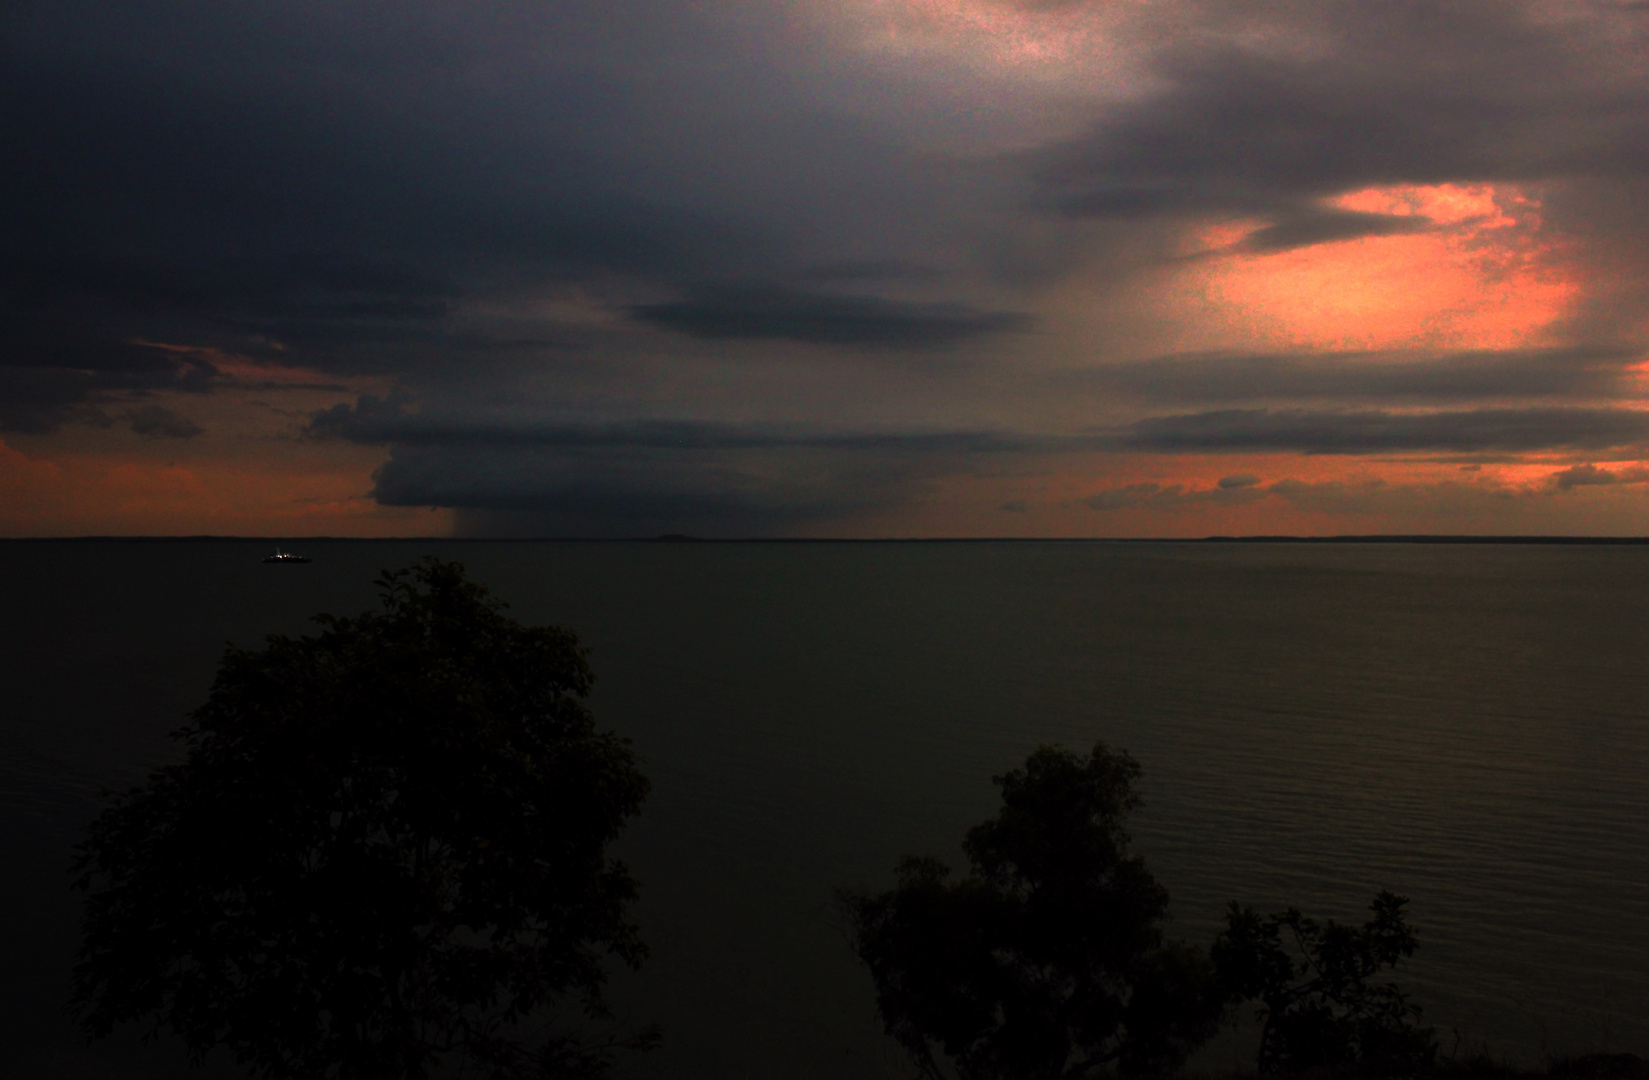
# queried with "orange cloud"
point(1484, 275)
point(105, 494)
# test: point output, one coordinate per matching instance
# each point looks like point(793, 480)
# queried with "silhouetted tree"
point(385, 849)
point(1047, 962)
point(1318, 1005)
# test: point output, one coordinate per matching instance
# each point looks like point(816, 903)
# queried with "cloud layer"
point(739, 268)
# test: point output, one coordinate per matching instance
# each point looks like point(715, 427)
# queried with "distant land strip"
point(1376, 538)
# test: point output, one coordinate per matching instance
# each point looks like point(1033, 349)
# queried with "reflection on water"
point(1465, 725)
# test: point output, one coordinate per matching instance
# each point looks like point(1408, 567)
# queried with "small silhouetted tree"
point(383, 853)
point(1320, 1004)
point(1048, 961)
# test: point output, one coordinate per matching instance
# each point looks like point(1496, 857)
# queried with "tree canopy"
point(383, 853)
point(1320, 1002)
point(1048, 961)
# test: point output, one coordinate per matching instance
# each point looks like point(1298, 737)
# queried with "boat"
point(286, 557)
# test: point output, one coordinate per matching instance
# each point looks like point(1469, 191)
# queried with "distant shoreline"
point(1418, 538)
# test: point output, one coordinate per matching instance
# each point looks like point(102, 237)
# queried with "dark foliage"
point(1600, 1067)
point(1319, 1006)
point(1047, 962)
point(383, 851)
point(1583, 1067)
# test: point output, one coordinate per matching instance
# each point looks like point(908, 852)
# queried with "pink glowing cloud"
point(1483, 273)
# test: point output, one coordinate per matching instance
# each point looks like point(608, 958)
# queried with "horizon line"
point(679, 538)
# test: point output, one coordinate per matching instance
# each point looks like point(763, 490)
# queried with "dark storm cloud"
point(375, 421)
point(1583, 476)
point(1372, 93)
point(318, 287)
point(371, 421)
point(1380, 431)
point(644, 476)
point(870, 270)
point(1172, 497)
point(34, 400)
point(1589, 475)
point(159, 422)
point(47, 378)
point(1570, 372)
point(825, 318)
point(1325, 227)
point(642, 490)
point(335, 181)
point(647, 477)
point(355, 182)
point(94, 312)
point(260, 131)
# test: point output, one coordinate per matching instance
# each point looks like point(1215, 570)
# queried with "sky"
point(833, 268)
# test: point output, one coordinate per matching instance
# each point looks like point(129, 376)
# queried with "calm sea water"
point(1466, 725)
